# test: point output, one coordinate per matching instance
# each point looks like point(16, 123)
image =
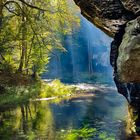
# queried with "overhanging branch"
point(29, 5)
point(32, 6)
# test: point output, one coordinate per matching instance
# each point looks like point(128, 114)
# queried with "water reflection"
point(134, 110)
point(98, 117)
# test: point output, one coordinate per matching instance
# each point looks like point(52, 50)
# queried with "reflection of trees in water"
point(9, 123)
point(43, 121)
point(90, 125)
point(27, 122)
point(99, 115)
point(40, 120)
point(134, 121)
point(131, 91)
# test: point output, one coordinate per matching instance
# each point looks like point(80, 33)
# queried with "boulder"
point(128, 62)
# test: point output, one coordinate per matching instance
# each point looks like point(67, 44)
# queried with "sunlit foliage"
point(17, 94)
point(56, 88)
point(30, 30)
point(85, 133)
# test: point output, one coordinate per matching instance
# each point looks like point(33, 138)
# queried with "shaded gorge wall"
point(86, 58)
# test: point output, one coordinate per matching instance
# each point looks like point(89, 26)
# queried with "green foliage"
point(56, 88)
point(29, 35)
point(18, 94)
point(26, 118)
point(105, 136)
point(85, 133)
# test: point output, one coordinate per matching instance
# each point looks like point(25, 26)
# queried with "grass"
point(55, 88)
point(14, 95)
point(18, 94)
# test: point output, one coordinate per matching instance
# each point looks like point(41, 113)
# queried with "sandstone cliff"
point(120, 19)
point(110, 16)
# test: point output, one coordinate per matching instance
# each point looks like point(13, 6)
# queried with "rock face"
point(133, 5)
point(109, 14)
point(121, 20)
point(128, 62)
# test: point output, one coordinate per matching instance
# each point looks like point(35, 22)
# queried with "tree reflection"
point(27, 122)
point(74, 119)
point(134, 110)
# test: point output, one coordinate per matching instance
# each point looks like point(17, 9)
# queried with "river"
point(99, 115)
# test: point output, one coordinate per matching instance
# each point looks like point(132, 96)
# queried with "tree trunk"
point(24, 44)
point(22, 58)
point(1, 15)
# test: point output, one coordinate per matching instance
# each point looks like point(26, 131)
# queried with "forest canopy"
point(30, 31)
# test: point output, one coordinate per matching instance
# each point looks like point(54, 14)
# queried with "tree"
point(30, 33)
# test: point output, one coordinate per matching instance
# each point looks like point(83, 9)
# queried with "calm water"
point(101, 115)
